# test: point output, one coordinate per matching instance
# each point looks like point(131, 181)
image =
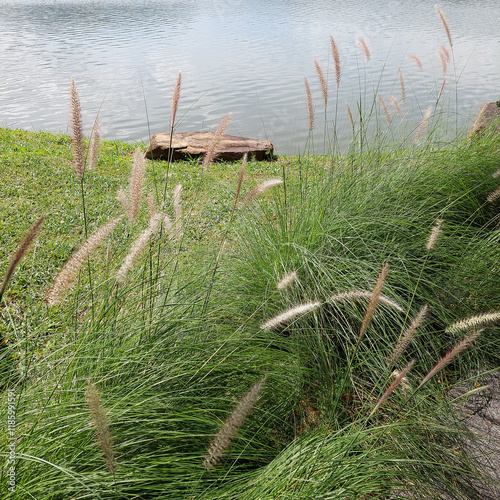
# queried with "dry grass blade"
point(213, 146)
point(223, 439)
point(290, 314)
point(451, 355)
point(405, 341)
point(323, 83)
point(310, 105)
point(20, 253)
point(100, 422)
point(370, 309)
point(260, 188)
point(336, 59)
point(68, 274)
point(76, 132)
point(445, 24)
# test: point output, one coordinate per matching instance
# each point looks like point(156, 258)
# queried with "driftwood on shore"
point(187, 145)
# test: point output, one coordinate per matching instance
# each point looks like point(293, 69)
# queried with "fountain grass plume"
point(365, 47)
point(241, 176)
point(493, 195)
point(434, 235)
point(396, 105)
point(136, 181)
point(363, 294)
point(416, 60)
point(473, 322)
point(451, 355)
point(323, 83)
point(104, 437)
point(402, 85)
point(290, 314)
point(445, 24)
point(223, 439)
point(496, 175)
point(423, 124)
point(137, 247)
point(211, 152)
point(287, 281)
point(94, 145)
point(399, 378)
point(260, 188)
point(310, 105)
point(385, 108)
point(175, 101)
point(76, 132)
point(370, 309)
point(336, 59)
point(405, 341)
point(349, 112)
point(66, 277)
point(20, 252)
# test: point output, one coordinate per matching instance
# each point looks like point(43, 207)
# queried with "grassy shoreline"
point(175, 352)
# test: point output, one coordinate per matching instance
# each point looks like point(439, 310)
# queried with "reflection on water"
point(245, 57)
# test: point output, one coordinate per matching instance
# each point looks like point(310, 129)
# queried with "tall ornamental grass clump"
point(310, 350)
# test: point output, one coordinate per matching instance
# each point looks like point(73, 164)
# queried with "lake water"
point(247, 57)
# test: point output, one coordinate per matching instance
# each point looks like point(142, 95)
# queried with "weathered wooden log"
point(488, 115)
point(186, 145)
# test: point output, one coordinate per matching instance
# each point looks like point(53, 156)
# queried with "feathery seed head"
point(365, 47)
point(434, 235)
point(175, 101)
point(136, 181)
point(100, 422)
point(451, 355)
point(416, 60)
point(445, 24)
point(395, 103)
point(473, 322)
point(20, 253)
point(494, 195)
point(405, 341)
point(370, 309)
point(423, 125)
point(260, 188)
point(286, 281)
point(66, 277)
point(385, 108)
point(137, 247)
point(310, 105)
point(76, 132)
point(290, 314)
point(349, 112)
point(223, 439)
point(336, 59)
point(322, 81)
point(402, 85)
point(94, 146)
point(212, 148)
point(362, 294)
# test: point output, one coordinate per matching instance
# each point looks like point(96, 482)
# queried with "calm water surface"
point(247, 57)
